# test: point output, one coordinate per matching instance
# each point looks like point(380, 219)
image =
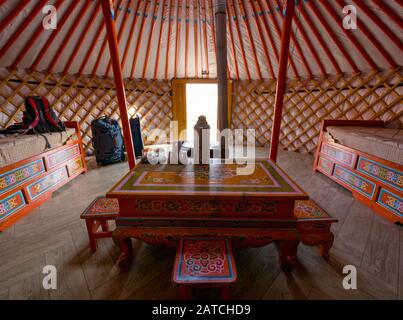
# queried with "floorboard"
point(54, 234)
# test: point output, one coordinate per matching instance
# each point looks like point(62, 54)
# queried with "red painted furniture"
point(313, 225)
point(26, 184)
point(204, 261)
point(374, 181)
point(97, 215)
point(161, 204)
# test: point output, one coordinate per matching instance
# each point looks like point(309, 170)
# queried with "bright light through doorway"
point(201, 99)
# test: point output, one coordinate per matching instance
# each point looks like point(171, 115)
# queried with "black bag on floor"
point(137, 138)
point(107, 140)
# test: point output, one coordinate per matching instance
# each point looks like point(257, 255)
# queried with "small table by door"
point(164, 203)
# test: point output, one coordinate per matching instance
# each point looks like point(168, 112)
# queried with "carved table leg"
point(125, 245)
point(326, 246)
point(288, 253)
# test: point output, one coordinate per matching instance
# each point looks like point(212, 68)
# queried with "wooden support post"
point(221, 36)
point(281, 79)
point(118, 76)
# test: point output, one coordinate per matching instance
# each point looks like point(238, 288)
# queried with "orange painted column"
point(281, 79)
point(118, 76)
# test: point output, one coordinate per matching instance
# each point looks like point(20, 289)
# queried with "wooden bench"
point(313, 225)
point(97, 215)
point(204, 261)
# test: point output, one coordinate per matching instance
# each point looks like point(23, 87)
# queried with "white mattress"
point(14, 148)
point(384, 143)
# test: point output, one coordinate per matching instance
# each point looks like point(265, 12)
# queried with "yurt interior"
point(201, 149)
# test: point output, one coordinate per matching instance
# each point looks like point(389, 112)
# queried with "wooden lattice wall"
point(84, 98)
point(376, 95)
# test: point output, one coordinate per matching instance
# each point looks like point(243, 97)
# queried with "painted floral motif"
point(11, 204)
point(326, 165)
point(21, 174)
point(205, 207)
point(75, 166)
point(102, 206)
point(46, 183)
point(354, 181)
point(308, 210)
point(63, 155)
point(391, 201)
point(381, 172)
point(201, 258)
point(339, 155)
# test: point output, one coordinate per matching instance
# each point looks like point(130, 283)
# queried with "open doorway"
point(201, 99)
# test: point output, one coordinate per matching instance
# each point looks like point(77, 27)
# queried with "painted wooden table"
point(164, 203)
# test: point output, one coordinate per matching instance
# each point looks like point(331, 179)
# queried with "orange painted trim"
point(206, 52)
point(379, 185)
point(32, 204)
point(241, 7)
point(122, 28)
point(178, 30)
point(153, 23)
point(136, 51)
point(131, 33)
point(282, 78)
point(81, 40)
point(52, 37)
point(261, 38)
point(169, 38)
point(231, 36)
point(374, 41)
point(332, 35)
point(119, 83)
point(39, 30)
point(233, 13)
point(24, 25)
point(103, 46)
point(277, 29)
point(319, 37)
point(67, 39)
point(350, 36)
point(157, 57)
point(17, 10)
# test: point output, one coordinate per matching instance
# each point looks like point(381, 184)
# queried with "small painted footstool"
point(97, 215)
point(313, 225)
point(204, 261)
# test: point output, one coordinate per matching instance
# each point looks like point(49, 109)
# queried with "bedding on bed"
point(14, 148)
point(384, 143)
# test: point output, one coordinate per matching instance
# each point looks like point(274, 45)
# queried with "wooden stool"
point(204, 261)
point(313, 225)
point(97, 214)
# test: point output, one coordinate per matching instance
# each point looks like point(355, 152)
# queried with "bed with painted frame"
point(376, 182)
point(28, 183)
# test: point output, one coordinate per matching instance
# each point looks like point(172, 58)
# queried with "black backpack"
point(107, 140)
point(39, 117)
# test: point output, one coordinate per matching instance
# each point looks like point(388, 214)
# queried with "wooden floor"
point(54, 234)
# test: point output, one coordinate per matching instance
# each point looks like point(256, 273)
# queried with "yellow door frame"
point(179, 102)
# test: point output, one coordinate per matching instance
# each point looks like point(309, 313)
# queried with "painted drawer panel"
point(39, 187)
point(342, 156)
point(11, 204)
point(75, 166)
point(18, 176)
point(62, 156)
point(391, 201)
point(382, 173)
point(354, 181)
point(325, 165)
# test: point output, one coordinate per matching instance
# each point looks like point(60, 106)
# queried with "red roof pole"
point(281, 79)
point(118, 76)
